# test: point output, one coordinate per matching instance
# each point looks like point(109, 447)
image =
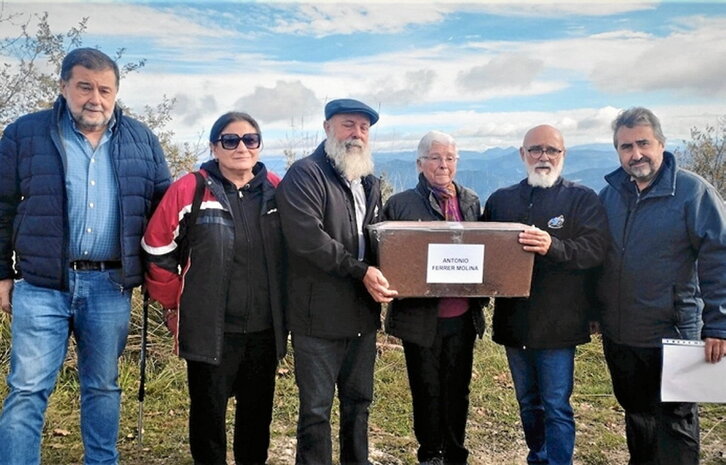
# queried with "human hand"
point(377, 285)
point(6, 294)
point(535, 240)
point(171, 320)
point(715, 349)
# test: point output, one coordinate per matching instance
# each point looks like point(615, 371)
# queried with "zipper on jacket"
point(119, 199)
point(529, 207)
point(243, 219)
point(54, 136)
point(632, 207)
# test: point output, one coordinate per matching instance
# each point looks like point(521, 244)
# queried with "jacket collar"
point(464, 196)
point(526, 189)
point(60, 108)
point(370, 182)
point(321, 157)
point(259, 171)
point(663, 185)
point(424, 186)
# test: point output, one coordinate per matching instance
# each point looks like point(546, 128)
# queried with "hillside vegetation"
point(493, 436)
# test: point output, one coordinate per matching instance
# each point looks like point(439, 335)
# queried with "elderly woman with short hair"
point(438, 333)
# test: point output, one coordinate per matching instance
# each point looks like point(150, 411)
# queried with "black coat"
point(415, 319)
point(202, 290)
point(561, 299)
point(327, 297)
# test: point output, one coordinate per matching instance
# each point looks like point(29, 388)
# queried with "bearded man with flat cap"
point(326, 200)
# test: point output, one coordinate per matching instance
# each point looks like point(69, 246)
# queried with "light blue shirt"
point(93, 197)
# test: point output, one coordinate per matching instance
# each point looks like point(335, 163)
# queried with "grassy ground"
point(493, 436)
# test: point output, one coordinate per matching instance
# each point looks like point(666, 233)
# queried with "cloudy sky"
point(482, 71)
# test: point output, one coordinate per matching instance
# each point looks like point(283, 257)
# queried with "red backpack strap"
point(273, 178)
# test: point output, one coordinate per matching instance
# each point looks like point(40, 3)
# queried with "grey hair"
point(637, 116)
point(435, 136)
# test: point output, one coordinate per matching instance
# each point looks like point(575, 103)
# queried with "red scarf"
point(446, 196)
point(450, 307)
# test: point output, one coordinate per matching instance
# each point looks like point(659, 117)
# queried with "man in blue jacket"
point(77, 184)
point(569, 238)
point(664, 277)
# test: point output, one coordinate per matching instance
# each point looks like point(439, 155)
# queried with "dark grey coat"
point(327, 297)
point(561, 300)
point(415, 319)
point(665, 272)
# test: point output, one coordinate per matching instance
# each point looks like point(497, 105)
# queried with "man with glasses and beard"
point(569, 237)
point(326, 200)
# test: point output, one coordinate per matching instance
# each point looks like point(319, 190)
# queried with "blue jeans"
point(96, 310)
point(320, 366)
point(543, 380)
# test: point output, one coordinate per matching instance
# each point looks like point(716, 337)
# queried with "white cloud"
point(453, 87)
point(554, 9)
point(284, 100)
point(117, 19)
point(200, 99)
point(405, 89)
point(381, 17)
point(483, 130)
point(690, 62)
point(504, 70)
point(323, 19)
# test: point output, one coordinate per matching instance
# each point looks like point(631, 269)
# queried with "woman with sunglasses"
point(224, 303)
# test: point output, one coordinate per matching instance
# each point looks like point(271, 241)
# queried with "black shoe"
point(433, 461)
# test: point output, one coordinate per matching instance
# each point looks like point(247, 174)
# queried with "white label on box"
point(455, 263)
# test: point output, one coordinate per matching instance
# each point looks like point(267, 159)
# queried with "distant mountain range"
point(485, 172)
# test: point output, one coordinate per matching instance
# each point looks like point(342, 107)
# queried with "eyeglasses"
point(537, 151)
point(437, 159)
point(231, 141)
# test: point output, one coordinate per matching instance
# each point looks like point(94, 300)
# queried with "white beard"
point(351, 157)
point(538, 179)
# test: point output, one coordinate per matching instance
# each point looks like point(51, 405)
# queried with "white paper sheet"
point(455, 263)
point(687, 377)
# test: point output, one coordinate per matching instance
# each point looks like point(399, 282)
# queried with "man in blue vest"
point(77, 183)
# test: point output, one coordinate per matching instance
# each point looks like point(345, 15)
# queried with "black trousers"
point(658, 433)
point(439, 377)
point(321, 365)
point(247, 372)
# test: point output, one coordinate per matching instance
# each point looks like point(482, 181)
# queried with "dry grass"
point(493, 436)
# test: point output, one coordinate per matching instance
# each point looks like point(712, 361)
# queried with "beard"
point(94, 121)
point(351, 157)
point(536, 178)
point(644, 173)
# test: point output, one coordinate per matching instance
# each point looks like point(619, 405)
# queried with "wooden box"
point(453, 259)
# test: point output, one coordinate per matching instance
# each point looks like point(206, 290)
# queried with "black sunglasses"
point(231, 141)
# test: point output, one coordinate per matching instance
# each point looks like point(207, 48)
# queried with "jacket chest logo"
point(556, 223)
